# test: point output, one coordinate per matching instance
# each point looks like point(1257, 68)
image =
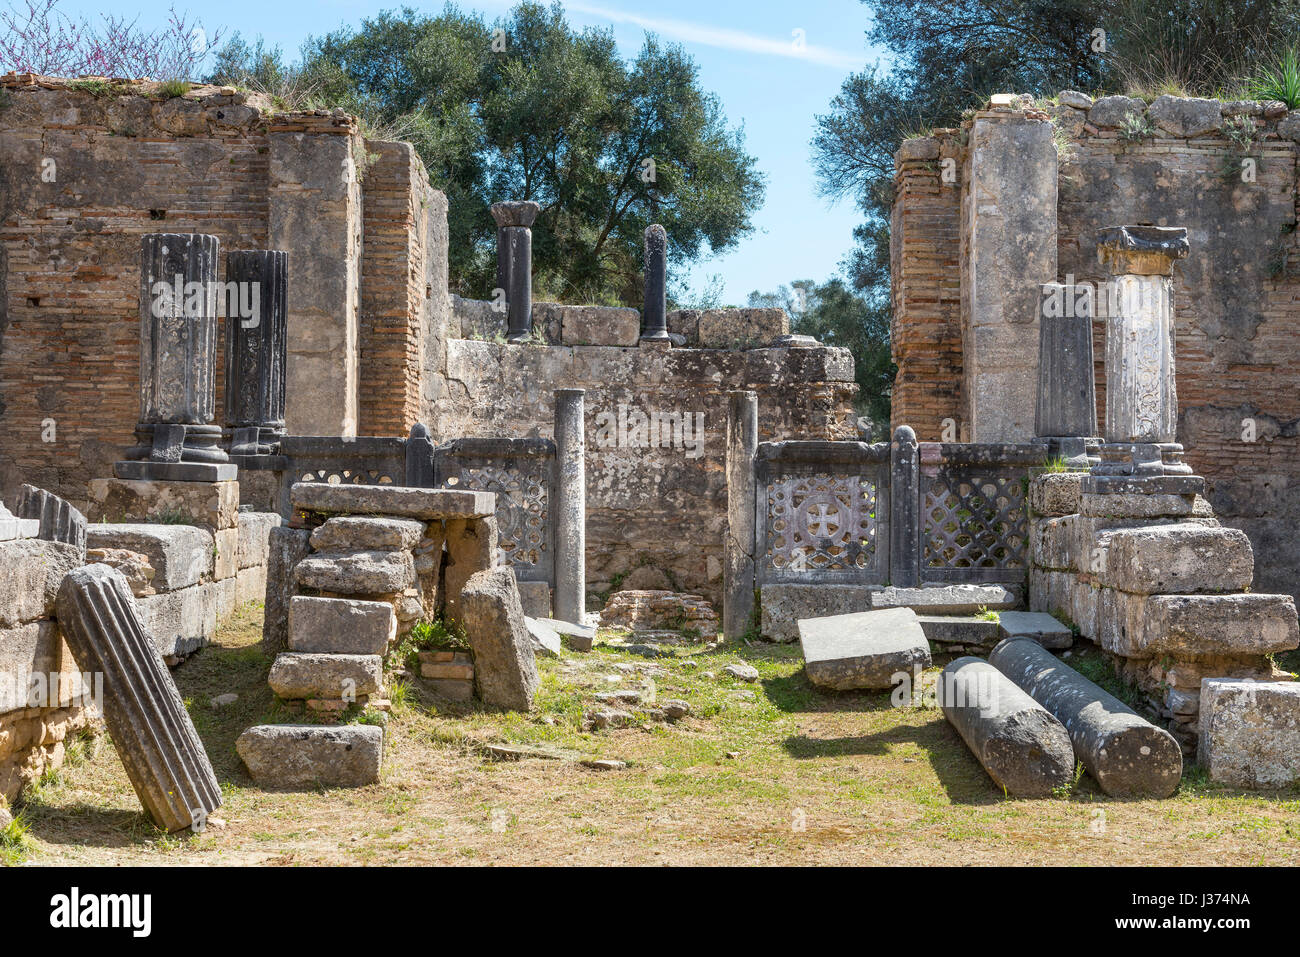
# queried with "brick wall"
point(925, 332)
point(1237, 297)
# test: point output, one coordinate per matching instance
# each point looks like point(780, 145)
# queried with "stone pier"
point(738, 576)
point(570, 506)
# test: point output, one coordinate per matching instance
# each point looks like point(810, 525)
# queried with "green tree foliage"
point(951, 56)
point(837, 316)
point(529, 109)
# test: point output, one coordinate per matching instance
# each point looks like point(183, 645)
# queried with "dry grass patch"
point(769, 772)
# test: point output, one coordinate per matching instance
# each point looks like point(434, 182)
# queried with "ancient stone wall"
point(655, 434)
point(86, 168)
point(41, 690)
point(1237, 295)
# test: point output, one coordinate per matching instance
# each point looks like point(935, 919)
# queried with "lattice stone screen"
point(366, 460)
point(522, 474)
point(974, 518)
point(822, 512)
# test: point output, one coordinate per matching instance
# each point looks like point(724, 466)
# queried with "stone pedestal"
point(256, 280)
point(1141, 399)
point(515, 264)
point(176, 440)
point(655, 307)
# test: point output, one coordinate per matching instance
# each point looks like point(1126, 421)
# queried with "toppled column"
point(570, 506)
point(1126, 755)
point(655, 306)
point(515, 264)
point(738, 559)
point(257, 283)
point(1141, 399)
point(1066, 415)
point(1021, 745)
point(178, 344)
point(151, 729)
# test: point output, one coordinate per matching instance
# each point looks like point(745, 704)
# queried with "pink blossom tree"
point(37, 37)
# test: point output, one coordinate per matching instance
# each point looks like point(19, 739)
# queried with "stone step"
point(949, 599)
point(967, 631)
point(296, 756)
point(297, 675)
point(862, 650)
point(1038, 625)
point(340, 625)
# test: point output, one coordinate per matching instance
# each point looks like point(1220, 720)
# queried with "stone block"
point(134, 566)
point(341, 626)
point(254, 537)
point(295, 756)
point(1055, 493)
point(1136, 505)
point(250, 585)
point(782, 605)
point(367, 533)
point(1186, 116)
point(471, 548)
point(577, 637)
point(949, 599)
point(297, 675)
point(181, 555)
point(740, 328)
point(1206, 625)
point(1052, 543)
point(967, 631)
point(536, 599)
point(1111, 111)
point(27, 650)
point(357, 573)
point(1176, 559)
point(183, 621)
point(31, 571)
point(1250, 732)
point(546, 640)
point(287, 547)
point(225, 561)
point(599, 326)
point(391, 500)
point(505, 672)
point(210, 505)
point(862, 650)
point(1043, 628)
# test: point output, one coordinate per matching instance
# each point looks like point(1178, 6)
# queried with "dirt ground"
point(769, 772)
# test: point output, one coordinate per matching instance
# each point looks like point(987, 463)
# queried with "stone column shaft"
point(655, 308)
point(905, 509)
point(738, 561)
point(570, 506)
point(256, 344)
point(515, 264)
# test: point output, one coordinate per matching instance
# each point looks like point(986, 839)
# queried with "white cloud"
point(795, 47)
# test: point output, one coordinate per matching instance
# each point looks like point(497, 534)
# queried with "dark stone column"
point(256, 281)
point(655, 308)
point(419, 457)
point(1125, 754)
point(905, 510)
point(515, 264)
point(738, 560)
point(153, 734)
point(1066, 416)
point(178, 344)
point(1018, 741)
point(570, 515)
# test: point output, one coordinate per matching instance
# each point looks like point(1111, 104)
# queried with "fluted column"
point(256, 294)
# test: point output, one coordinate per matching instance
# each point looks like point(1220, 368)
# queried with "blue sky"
point(775, 65)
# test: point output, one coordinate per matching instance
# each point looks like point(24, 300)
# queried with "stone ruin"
point(414, 456)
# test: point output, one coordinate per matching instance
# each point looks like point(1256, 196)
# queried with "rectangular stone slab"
point(948, 599)
point(396, 500)
point(180, 554)
point(862, 650)
point(295, 756)
point(340, 626)
point(1039, 625)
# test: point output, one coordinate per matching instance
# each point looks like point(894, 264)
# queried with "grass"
point(1279, 80)
point(769, 772)
point(171, 89)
